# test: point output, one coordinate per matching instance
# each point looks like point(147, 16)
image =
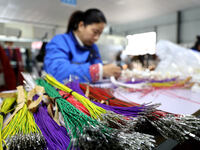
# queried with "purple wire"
point(165, 80)
point(56, 136)
point(74, 85)
point(133, 111)
point(136, 82)
point(126, 111)
point(151, 81)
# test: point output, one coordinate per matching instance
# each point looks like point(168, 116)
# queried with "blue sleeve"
point(57, 62)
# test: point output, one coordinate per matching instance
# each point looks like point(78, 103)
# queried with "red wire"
point(100, 94)
point(74, 102)
point(103, 94)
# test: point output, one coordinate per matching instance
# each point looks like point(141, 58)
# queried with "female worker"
point(74, 53)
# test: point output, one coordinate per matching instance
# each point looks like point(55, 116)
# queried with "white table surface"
point(178, 101)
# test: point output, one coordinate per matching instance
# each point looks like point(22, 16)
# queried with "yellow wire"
point(164, 84)
point(168, 84)
point(95, 111)
point(22, 122)
point(5, 107)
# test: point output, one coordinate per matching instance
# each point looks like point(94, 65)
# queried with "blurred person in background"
point(123, 60)
point(196, 46)
point(75, 52)
point(40, 58)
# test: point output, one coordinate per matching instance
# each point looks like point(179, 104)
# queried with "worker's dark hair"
point(90, 16)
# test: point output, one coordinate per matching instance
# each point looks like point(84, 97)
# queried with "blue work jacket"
point(64, 57)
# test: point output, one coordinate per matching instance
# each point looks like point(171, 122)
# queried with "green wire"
point(74, 119)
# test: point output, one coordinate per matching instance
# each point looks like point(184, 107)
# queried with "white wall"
point(109, 45)
point(162, 24)
point(27, 31)
point(191, 25)
point(166, 26)
point(167, 32)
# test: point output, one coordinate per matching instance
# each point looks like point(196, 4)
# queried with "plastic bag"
point(175, 59)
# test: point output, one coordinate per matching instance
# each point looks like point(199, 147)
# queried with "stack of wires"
point(56, 136)
point(95, 111)
point(22, 132)
point(73, 118)
point(74, 102)
point(90, 134)
point(152, 80)
point(108, 118)
point(100, 94)
point(153, 85)
point(5, 109)
point(133, 111)
point(184, 127)
point(179, 128)
point(171, 84)
point(104, 95)
point(75, 85)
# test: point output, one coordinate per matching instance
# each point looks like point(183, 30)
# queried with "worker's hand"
point(111, 70)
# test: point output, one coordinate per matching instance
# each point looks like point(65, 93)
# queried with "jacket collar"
point(78, 42)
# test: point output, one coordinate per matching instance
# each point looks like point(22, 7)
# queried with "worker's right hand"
point(111, 70)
